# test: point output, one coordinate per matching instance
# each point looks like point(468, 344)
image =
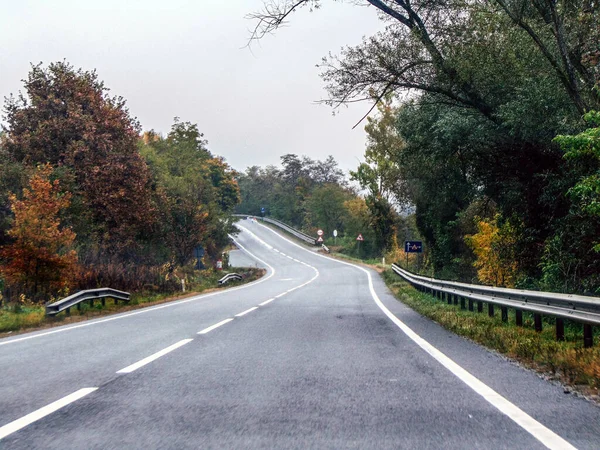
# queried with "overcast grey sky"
point(187, 58)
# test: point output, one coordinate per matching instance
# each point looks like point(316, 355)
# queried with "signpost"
point(199, 253)
point(412, 247)
point(262, 211)
point(335, 237)
point(359, 239)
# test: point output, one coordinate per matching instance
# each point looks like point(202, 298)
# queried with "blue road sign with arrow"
point(413, 247)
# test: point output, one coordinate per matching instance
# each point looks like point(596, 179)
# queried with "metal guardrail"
point(230, 277)
point(89, 295)
point(299, 234)
point(578, 308)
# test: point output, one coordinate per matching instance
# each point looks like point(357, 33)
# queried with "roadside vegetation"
point(567, 361)
point(24, 315)
point(88, 199)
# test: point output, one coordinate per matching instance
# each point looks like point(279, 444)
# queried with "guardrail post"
point(78, 306)
point(504, 310)
point(455, 299)
point(116, 301)
point(491, 309)
point(103, 300)
point(462, 303)
point(449, 299)
point(537, 320)
point(560, 329)
point(479, 307)
point(519, 317)
point(588, 335)
point(470, 304)
point(91, 303)
point(68, 311)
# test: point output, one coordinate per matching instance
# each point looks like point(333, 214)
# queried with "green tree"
point(571, 261)
point(325, 208)
point(196, 192)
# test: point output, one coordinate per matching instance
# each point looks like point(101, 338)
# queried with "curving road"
point(317, 354)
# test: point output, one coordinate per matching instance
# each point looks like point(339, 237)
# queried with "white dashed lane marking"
point(154, 357)
point(266, 302)
point(16, 425)
point(247, 311)
point(216, 325)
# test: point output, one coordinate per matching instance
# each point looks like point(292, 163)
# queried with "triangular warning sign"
point(360, 238)
point(320, 239)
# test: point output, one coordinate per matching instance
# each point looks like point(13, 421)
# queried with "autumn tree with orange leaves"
point(40, 259)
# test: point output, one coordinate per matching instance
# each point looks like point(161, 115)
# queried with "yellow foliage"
point(494, 247)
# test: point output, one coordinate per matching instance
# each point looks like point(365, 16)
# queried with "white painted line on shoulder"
point(216, 325)
point(18, 424)
point(283, 254)
point(151, 308)
point(543, 434)
point(266, 302)
point(246, 312)
point(281, 295)
point(154, 357)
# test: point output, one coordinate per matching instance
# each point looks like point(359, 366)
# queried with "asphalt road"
point(317, 354)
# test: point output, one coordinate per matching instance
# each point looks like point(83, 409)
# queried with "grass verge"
point(16, 319)
point(567, 362)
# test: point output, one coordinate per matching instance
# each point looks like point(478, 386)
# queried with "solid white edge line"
point(243, 313)
point(280, 295)
point(216, 325)
point(154, 357)
point(266, 302)
point(152, 308)
point(18, 424)
point(543, 434)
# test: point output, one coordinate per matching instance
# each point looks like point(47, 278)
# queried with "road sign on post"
point(413, 247)
point(335, 237)
point(359, 239)
point(320, 239)
point(199, 253)
point(262, 211)
point(320, 232)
